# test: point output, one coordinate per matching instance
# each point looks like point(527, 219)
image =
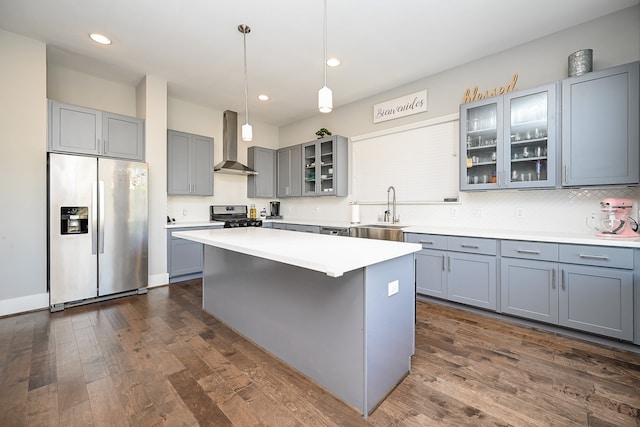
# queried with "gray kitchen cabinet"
point(80, 130)
point(304, 228)
point(472, 279)
point(529, 280)
point(431, 276)
point(588, 288)
point(289, 165)
point(325, 165)
point(510, 141)
point(456, 268)
point(596, 290)
point(185, 257)
point(189, 164)
point(600, 131)
point(263, 161)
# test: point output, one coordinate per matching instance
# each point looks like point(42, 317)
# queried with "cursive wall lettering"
point(399, 107)
point(475, 95)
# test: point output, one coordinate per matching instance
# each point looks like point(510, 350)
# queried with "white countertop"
point(534, 236)
point(332, 255)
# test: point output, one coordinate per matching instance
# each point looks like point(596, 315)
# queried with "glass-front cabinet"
point(324, 165)
point(509, 141)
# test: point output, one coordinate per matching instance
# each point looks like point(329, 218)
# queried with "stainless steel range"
point(233, 216)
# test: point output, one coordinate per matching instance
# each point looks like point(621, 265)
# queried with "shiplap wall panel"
point(420, 162)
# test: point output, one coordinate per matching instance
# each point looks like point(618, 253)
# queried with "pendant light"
point(247, 130)
point(325, 96)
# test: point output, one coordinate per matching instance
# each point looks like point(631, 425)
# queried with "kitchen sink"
point(378, 231)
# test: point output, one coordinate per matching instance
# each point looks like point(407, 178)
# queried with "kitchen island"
point(341, 310)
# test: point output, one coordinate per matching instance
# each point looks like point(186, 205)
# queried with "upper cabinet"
point(189, 164)
point(600, 128)
point(325, 166)
point(263, 161)
point(80, 130)
point(289, 165)
point(510, 141)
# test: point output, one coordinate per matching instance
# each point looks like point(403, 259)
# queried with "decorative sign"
point(400, 107)
point(475, 95)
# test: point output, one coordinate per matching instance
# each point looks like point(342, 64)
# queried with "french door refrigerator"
point(97, 229)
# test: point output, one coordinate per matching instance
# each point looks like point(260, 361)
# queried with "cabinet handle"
point(566, 175)
point(600, 257)
point(449, 263)
point(553, 278)
point(528, 251)
point(426, 242)
point(470, 246)
point(562, 274)
point(443, 257)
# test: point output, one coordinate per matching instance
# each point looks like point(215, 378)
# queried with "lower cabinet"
point(582, 287)
point(296, 227)
point(587, 288)
point(458, 269)
point(597, 300)
point(184, 257)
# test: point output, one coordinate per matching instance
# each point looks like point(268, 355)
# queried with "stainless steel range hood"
point(229, 163)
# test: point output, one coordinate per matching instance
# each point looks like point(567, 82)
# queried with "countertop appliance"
point(613, 220)
point(274, 208)
point(233, 216)
point(97, 229)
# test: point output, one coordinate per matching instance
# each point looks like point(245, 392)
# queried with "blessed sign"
point(404, 106)
point(475, 94)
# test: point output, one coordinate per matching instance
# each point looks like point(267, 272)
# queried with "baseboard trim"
point(158, 280)
point(24, 304)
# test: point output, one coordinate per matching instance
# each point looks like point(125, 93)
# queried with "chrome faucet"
point(394, 218)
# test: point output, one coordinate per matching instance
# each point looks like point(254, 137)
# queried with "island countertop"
point(332, 255)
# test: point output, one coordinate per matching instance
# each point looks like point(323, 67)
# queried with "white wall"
point(151, 96)
point(73, 87)
point(23, 130)
point(615, 39)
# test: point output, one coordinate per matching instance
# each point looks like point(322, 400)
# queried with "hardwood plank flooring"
point(159, 360)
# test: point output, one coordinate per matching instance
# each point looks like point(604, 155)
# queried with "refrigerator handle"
point(101, 220)
point(94, 217)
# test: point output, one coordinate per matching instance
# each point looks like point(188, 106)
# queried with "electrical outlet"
point(317, 209)
point(184, 212)
point(519, 212)
point(393, 287)
point(477, 212)
point(453, 212)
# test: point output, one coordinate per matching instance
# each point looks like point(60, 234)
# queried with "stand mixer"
point(613, 220)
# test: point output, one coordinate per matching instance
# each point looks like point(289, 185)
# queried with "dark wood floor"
point(158, 359)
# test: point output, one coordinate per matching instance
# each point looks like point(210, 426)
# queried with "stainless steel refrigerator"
point(97, 229)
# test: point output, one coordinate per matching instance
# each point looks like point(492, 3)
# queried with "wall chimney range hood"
point(229, 163)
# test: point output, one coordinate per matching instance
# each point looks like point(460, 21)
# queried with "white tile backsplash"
point(539, 210)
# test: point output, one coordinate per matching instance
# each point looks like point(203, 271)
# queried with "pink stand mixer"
point(613, 220)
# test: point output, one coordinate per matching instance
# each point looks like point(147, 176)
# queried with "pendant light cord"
point(325, 43)
point(246, 80)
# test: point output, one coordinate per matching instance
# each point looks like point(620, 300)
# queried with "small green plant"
point(323, 132)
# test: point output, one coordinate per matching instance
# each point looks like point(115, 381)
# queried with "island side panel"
point(390, 326)
point(313, 322)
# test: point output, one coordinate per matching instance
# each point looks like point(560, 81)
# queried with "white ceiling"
point(196, 47)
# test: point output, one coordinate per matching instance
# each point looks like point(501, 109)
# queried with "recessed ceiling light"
point(99, 38)
point(333, 62)
point(263, 97)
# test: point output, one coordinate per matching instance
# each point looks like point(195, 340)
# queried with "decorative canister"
point(580, 62)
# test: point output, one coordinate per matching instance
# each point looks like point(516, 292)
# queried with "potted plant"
point(323, 132)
